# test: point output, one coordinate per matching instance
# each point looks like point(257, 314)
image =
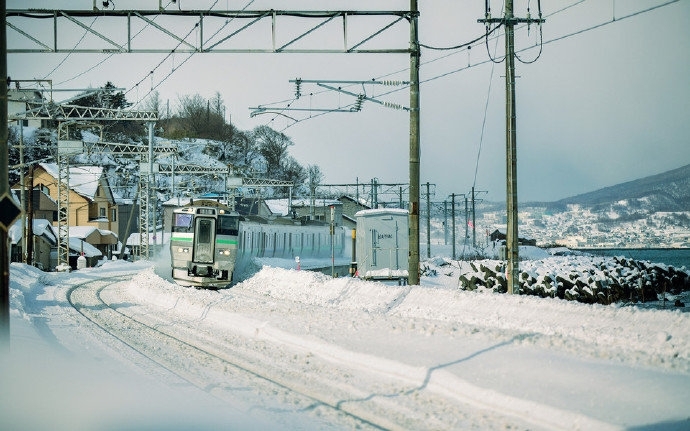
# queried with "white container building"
point(382, 243)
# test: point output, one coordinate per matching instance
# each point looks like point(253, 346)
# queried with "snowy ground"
point(288, 349)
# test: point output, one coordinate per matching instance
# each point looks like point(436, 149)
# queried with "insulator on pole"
point(298, 85)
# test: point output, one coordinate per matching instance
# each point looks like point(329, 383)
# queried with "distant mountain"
point(668, 191)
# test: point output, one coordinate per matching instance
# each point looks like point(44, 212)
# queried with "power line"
point(613, 20)
point(86, 31)
point(461, 45)
point(474, 42)
point(486, 109)
point(174, 69)
point(110, 55)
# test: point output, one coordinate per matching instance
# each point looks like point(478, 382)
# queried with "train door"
point(204, 239)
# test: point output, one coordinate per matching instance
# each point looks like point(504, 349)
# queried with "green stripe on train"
point(226, 241)
point(181, 238)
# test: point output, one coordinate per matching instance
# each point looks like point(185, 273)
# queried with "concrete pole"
point(452, 221)
point(513, 269)
point(413, 262)
point(428, 222)
point(445, 222)
point(474, 222)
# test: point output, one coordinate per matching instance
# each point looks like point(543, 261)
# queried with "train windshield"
point(182, 223)
point(228, 225)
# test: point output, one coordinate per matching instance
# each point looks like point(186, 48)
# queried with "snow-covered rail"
point(224, 371)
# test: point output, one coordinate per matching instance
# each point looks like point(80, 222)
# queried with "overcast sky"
point(598, 108)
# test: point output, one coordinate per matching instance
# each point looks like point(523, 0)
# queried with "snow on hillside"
point(410, 357)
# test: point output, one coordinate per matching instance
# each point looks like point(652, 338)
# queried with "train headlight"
point(224, 251)
point(183, 250)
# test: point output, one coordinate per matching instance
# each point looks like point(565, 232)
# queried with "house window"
point(113, 214)
point(101, 212)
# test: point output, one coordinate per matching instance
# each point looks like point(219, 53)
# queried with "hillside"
point(668, 191)
point(649, 212)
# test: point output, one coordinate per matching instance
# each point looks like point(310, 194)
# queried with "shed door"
point(204, 230)
point(374, 246)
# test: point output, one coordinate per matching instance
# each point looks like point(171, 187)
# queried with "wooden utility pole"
point(509, 21)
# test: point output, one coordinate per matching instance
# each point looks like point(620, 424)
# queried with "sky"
point(597, 108)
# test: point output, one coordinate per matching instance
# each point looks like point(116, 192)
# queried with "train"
point(207, 243)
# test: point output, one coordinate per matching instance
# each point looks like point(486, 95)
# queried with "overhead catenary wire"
point(109, 56)
point(86, 31)
point(175, 69)
point(545, 42)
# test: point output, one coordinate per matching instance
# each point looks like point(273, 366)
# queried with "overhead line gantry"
point(230, 25)
point(203, 20)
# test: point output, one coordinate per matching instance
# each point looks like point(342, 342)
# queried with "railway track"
point(225, 344)
point(228, 373)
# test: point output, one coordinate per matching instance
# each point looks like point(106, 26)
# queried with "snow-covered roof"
point(177, 201)
point(79, 246)
point(101, 236)
point(41, 227)
point(278, 206)
point(381, 211)
point(317, 202)
point(83, 180)
point(81, 231)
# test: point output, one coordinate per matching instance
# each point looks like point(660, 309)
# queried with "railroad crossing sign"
point(9, 211)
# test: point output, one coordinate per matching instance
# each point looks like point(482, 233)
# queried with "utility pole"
point(452, 222)
point(509, 21)
point(4, 186)
point(413, 262)
point(474, 215)
point(474, 232)
point(467, 222)
point(428, 222)
point(445, 222)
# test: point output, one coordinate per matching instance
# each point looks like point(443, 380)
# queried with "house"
point(157, 242)
point(44, 241)
point(21, 100)
point(78, 247)
point(42, 206)
point(91, 201)
point(351, 206)
point(93, 213)
point(103, 240)
point(500, 235)
point(319, 210)
point(127, 217)
point(38, 227)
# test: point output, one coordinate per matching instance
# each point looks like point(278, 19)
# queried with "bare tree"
point(273, 146)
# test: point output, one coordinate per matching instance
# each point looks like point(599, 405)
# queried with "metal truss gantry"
point(212, 31)
point(114, 33)
point(83, 117)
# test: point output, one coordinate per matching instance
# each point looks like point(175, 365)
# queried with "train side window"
point(228, 225)
point(182, 223)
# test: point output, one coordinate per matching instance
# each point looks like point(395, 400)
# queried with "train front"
point(203, 246)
